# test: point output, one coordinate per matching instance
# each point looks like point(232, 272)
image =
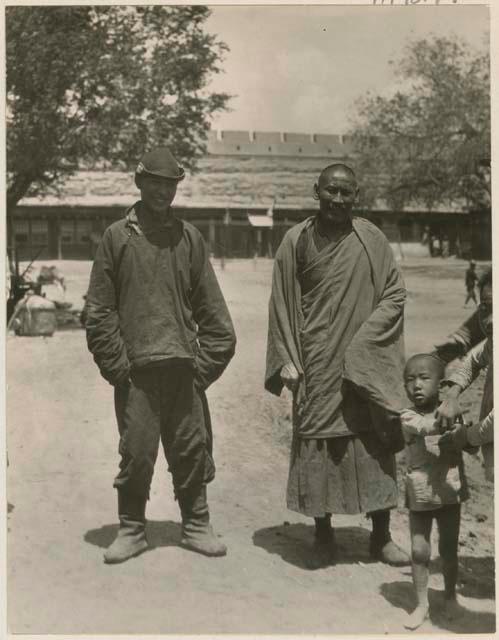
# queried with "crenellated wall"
point(276, 143)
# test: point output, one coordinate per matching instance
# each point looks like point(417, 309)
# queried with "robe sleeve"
point(216, 336)
point(282, 341)
point(467, 336)
point(476, 360)
point(482, 432)
point(469, 333)
point(102, 324)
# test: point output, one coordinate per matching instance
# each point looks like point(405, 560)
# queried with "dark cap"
point(160, 162)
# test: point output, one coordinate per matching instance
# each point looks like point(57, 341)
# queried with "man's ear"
point(316, 191)
point(357, 195)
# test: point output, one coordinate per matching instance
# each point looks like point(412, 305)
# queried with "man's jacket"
point(154, 299)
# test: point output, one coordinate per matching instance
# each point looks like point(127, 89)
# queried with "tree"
point(102, 84)
point(429, 143)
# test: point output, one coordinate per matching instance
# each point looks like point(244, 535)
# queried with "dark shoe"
point(197, 532)
point(389, 553)
point(323, 553)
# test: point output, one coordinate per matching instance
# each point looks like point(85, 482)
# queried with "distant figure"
point(431, 245)
point(435, 485)
point(445, 247)
point(470, 280)
point(434, 246)
point(425, 238)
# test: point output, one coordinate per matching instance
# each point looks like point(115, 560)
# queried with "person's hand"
point(449, 349)
point(448, 410)
point(290, 376)
point(454, 441)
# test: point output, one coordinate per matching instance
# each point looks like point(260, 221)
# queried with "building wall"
point(74, 233)
point(244, 171)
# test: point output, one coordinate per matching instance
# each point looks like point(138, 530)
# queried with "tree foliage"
point(429, 143)
point(102, 84)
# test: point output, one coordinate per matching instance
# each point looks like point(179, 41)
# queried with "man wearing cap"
point(160, 332)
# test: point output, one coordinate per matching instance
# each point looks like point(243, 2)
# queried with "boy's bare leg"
point(420, 524)
point(448, 521)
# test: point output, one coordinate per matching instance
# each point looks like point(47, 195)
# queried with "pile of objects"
point(30, 312)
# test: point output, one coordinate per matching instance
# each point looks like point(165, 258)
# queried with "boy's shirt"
point(432, 479)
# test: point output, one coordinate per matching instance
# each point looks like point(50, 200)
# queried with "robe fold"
point(344, 334)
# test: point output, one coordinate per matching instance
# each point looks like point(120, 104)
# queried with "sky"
point(300, 68)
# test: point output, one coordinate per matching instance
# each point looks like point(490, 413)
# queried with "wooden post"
point(30, 236)
point(211, 237)
point(59, 238)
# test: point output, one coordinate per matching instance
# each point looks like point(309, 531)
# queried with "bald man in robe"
point(336, 341)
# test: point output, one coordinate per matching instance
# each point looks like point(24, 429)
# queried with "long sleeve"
point(476, 360)
point(285, 316)
point(415, 424)
point(482, 432)
point(102, 325)
point(216, 336)
point(469, 333)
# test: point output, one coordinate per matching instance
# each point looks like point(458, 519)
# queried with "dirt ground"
point(62, 448)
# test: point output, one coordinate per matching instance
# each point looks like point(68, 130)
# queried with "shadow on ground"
point(293, 542)
point(476, 576)
point(401, 595)
point(159, 534)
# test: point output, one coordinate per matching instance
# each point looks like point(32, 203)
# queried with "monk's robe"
point(336, 312)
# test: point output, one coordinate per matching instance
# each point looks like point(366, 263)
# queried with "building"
point(250, 188)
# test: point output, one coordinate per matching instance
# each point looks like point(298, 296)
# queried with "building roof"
point(242, 169)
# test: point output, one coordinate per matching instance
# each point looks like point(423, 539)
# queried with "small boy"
point(470, 280)
point(435, 484)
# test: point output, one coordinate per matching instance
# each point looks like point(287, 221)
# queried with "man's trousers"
point(163, 403)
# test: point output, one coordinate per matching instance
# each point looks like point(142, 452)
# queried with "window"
point(83, 231)
point(39, 233)
point(21, 231)
point(67, 231)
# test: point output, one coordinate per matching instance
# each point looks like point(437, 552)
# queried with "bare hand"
point(447, 413)
point(290, 376)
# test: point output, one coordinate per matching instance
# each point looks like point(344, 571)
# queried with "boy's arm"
point(458, 343)
point(415, 424)
point(102, 321)
point(459, 380)
point(476, 360)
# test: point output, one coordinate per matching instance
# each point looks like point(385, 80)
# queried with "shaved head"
point(338, 169)
point(430, 360)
